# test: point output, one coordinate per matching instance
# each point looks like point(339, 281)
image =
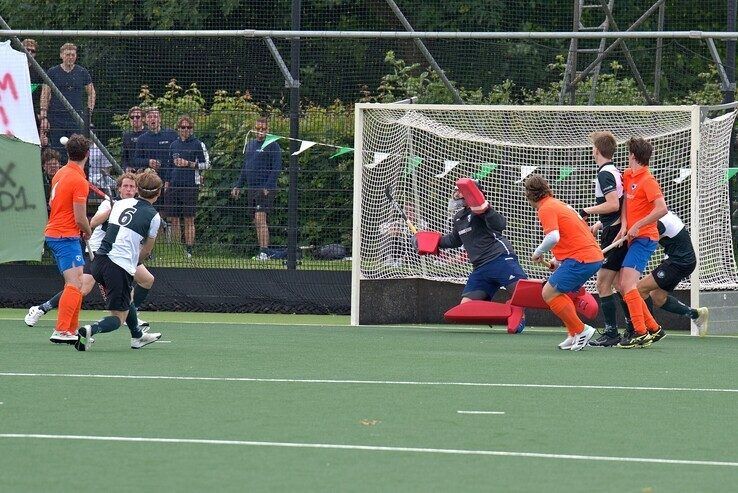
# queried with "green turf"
point(376, 404)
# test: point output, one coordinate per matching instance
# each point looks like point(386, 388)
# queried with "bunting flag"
point(525, 171)
point(377, 158)
point(35, 86)
point(268, 140)
point(486, 169)
point(342, 150)
point(683, 174)
point(412, 163)
point(565, 172)
point(304, 146)
point(448, 165)
point(730, 173)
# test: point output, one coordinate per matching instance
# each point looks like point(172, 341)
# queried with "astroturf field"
point(309, 403)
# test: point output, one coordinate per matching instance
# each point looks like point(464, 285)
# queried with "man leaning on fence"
point(260, 170)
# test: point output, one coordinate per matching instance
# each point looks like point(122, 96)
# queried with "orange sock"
point(635, 307)
point(75, 318)
point(563, 307)
point(651, 324)
point(69, 302)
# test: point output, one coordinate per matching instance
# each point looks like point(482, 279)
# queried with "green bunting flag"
point(565, 172)
point(412, 163)
point(268, 140)
point(486, 169)
point(342, 150)
point(34, 87)
point(730, 173)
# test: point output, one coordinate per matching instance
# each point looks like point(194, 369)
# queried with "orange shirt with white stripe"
point(575, 240)
point(69, 186)
point(641, 190)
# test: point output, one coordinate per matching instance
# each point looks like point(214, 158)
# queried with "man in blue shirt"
point(152, 147)
point(128, 145)
point(188, 156)
point(72, 80)
point(260, 170)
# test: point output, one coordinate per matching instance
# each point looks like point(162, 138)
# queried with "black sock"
point(626, 313)
point(132, 322)
point(107, 324)
point(52, 303)
point(673, 305)
point(649, 304)
point(139, 295)
point(609, 313)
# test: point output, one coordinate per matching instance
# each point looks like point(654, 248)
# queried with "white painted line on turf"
point(499, 453)
point(364, 382)
point(481, 412)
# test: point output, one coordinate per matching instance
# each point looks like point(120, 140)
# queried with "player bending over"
point(679, 262)
point(478, 227)
point(578, 257)
point(130, 237)
point(99, 223)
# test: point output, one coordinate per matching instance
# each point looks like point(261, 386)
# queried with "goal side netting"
point(419, 151)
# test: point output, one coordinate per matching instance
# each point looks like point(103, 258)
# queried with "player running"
point(576, 252)
point(478, 227)
point(644, 205)
point(67, 221)
point(99, 223)
point(679, 262)
point(129, 238)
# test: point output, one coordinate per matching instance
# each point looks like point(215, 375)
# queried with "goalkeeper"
point(478, 227)
point(127, 189)
point(679, 262)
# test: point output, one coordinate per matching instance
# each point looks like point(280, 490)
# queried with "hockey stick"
point(614, 245)
point(388, 194)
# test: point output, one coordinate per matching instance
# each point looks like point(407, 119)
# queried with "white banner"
point(16, 106)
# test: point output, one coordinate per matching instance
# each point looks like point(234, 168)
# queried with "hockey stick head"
point(391, 199)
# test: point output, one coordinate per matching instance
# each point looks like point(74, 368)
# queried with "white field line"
point(364, 382)
point(498, 453)
point(480, 412)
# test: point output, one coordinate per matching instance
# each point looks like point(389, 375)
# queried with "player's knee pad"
point(477, 295)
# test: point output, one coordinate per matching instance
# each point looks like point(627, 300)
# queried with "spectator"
point(260, 170)
point(72, 80)
point(152, 147)
point(50, 164)
point(188, 156)
point(136, 117)
point(99, 170)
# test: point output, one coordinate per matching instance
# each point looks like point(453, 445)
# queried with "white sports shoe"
point(143, 325)
point(58, 337)
point(33, 315)
point(566, 343)
point(145, 339)
point(701, 321)
point(582, 339)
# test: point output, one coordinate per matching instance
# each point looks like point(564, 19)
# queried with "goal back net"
point(417, 152)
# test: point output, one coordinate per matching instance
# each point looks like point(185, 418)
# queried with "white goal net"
point(419, 151)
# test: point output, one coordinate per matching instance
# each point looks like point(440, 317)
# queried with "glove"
point(473, 195)
point(584, 214)
point(414, 242)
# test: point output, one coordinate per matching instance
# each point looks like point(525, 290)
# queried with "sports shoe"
point(658, 335)
point(33, 315)
point(567, 343)
point(59, 337)
point(608, 339)
point(142, 323)
point(145, 339)
point(581, 339)
point(642, 340)
point(262, 256)
point(521, 326)
point(84, 340)
point(700, 321)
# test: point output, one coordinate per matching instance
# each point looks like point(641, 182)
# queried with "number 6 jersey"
point(131, 222)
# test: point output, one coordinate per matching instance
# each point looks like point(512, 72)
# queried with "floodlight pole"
point(292, 219)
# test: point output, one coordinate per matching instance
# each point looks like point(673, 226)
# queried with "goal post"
point(419, 151)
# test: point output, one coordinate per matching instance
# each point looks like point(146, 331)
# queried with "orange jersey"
point(575, 240)
point(69, 186)
point(641, 189)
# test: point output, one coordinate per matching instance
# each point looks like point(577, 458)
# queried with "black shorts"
point(116, 282)
point(669, 274)
point(614, 258)
point(258, 202)
point(87, 269)
point(181, 202)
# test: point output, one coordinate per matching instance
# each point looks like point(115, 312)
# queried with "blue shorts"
point(67, 252)
point(639, 253)
point(489, 277)
point(572, 274)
